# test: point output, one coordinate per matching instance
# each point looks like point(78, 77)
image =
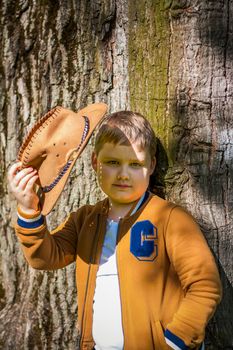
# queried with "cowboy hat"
point(53, 145)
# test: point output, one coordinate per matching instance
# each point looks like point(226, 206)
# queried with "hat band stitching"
point(86, 129)
point(35, 131)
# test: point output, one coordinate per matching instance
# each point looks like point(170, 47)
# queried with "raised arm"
point(42, 249)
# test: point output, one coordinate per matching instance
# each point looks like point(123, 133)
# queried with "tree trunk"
point(180, 76)
point(67, 53)
point(171, 61)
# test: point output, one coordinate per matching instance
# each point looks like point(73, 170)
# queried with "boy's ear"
point(153, 165)
point(94, 161)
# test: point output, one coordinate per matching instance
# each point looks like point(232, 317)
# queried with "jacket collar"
point(103, 206)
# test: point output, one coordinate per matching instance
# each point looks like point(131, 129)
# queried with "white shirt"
point(107, 325)
point(107, 322)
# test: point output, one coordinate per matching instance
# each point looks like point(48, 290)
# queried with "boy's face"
point(123, 171)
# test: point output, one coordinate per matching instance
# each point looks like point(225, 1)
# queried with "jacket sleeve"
point(193, 262)
point(46, 250)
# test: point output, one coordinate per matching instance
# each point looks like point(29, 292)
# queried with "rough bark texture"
point(172, 61)
point(67, 53)
point(180, 68)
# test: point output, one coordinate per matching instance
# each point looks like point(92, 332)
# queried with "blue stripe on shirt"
point(144, 199)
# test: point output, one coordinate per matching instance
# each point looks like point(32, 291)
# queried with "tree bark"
point(180, 53)
point(67, 53)
point(171, 61)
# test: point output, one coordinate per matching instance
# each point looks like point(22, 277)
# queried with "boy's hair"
point(124, 127)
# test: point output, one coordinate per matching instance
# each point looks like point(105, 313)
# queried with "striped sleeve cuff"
point(173, 341)
point(29, 221)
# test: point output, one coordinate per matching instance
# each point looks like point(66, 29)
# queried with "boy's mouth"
point(122, 185)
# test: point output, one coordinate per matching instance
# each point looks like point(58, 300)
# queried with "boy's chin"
point(123, 200)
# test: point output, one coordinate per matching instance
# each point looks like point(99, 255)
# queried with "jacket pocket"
point(159, 339)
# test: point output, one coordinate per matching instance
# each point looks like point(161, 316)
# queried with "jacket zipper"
point(95, 243)
point(119, 281)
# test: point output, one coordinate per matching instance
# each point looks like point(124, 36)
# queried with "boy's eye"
point(112, 162)
point(136, 165)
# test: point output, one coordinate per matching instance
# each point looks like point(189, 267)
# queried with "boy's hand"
point(21, 182)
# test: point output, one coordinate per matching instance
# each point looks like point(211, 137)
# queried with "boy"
point(146, 278)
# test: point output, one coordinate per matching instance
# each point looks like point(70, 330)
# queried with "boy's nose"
point(123, 174)
point(122, 177)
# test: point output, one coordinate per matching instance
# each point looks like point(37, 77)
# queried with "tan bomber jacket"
point(169, 283)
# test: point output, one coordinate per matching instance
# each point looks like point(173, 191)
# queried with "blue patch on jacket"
point(144, 241)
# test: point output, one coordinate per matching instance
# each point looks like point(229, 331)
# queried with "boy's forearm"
point(43, 250)
point(195, 310)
